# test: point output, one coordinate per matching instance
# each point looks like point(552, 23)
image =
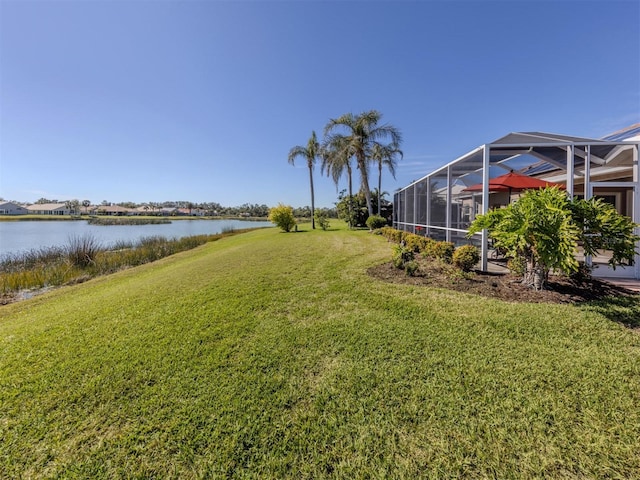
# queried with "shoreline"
point(53, 218)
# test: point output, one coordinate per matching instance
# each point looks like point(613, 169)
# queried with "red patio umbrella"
point(513, 182)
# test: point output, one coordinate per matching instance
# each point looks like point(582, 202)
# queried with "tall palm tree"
point(363, 133)
point(310, 152)
point(336, 159)
point(385, 155)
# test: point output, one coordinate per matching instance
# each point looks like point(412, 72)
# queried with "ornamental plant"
point(376, 221)
point(544, 227)
point(466, 257)
point(282, 217)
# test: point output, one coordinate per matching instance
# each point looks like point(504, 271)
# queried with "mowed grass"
point(272, 355)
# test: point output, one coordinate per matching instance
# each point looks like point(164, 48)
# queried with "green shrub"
point(392, 234)
point(322, 219)
point(401, 255)
point(466, 257)
point(282, 217)
point(415, 242)
point(376, 221)
point(517, 266)
point(386, 232)
point(410, 268)
point(440, 250)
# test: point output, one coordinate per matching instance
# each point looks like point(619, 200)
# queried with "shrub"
point(466, 257)
point(517, 266)
point(392, 234)
point(545, 227)
point(415, 242)
point(376, 221)
point(440, 250)
point(282, 217)
point(401, 255)
point(322, 219)
point(410, 268)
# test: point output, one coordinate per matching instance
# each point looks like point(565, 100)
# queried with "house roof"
point(46, 206)
point(631, 132)
point(540, 138)
point(111, 208)
point(530, 153)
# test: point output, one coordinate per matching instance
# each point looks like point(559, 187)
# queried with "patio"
point(443, 203)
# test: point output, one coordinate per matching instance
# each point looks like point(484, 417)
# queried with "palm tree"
point(336, 159)
point(385, 155)
point(363, 133)
point(310, 152)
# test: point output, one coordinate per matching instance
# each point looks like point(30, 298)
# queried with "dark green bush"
point(401, 255)
point(466, 257)
point(376, 221)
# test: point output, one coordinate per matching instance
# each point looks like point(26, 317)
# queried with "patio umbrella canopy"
point(513, 182)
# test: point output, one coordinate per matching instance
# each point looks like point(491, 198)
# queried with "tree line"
point(353, 139)
point(210, 208)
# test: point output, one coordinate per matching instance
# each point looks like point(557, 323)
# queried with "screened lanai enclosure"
point(442, 204)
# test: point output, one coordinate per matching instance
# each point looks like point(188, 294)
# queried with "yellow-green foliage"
point(392, 234)
point(441, 250)
point(466, 257)
point(415, 242)
point(282, 217)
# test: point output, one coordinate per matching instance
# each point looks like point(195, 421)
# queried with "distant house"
point(167, 211)
point(192, 212)
point(115, 210)
point(9, 208)
point(144, 210)
point(49, 209)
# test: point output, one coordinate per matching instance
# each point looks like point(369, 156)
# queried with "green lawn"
point(272, 355)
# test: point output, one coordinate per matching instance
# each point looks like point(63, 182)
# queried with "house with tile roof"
point(49, 209)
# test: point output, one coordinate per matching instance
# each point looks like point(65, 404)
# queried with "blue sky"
point(202, 100)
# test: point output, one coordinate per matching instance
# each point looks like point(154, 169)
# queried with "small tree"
point(544, 228)
point(322, 219)
point(603, 228)
point(282, 216)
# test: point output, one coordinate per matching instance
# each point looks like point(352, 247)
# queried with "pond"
point(22, 236)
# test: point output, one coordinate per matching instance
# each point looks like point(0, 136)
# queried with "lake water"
point(21, 236)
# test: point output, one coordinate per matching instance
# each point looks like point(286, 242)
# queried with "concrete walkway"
point(628, 283)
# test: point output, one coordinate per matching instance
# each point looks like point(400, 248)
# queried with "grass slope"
point(271, 355)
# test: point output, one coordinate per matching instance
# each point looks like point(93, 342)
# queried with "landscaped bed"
point(504, 286)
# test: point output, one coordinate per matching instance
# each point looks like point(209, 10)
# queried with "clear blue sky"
point(202, 100)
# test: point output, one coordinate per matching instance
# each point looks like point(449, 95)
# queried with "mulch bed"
point(503, 286)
